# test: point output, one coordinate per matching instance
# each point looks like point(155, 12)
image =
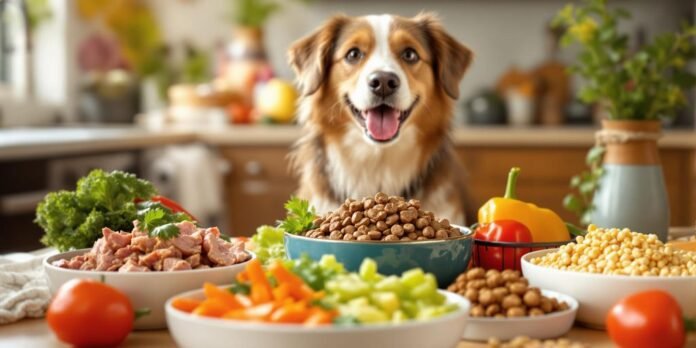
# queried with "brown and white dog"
point(378, 95)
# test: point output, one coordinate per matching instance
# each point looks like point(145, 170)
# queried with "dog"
point(377, 96)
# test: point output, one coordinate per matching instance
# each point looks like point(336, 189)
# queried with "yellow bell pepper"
point(544, 224)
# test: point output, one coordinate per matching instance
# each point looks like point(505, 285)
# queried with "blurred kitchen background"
point(197, 96)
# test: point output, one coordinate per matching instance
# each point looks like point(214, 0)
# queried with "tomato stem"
point(141, 312)
point(511, 186)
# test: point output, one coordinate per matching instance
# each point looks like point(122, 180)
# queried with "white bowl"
point(145, 289)
point(542, 327)
point(195, 331)
point(597, 293)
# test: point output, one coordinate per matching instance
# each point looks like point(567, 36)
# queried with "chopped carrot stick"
point(185, 304)
point(297, 287)
point(319, 318)
point(257, 313)
point(244, 300)
point(260, 288)
point(211, 291)
point(281, 292)
point(291, 313)
point(212, 307)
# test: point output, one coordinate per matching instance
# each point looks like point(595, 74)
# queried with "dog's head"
point(381, 72)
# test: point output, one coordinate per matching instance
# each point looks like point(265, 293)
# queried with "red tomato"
point(646, 320)
point(173, 206)
point(86, 312)
point(501, 257)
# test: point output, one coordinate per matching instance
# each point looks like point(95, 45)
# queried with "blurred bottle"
point(554, 82)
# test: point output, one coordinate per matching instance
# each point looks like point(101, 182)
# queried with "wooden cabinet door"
point(257, 186)
point(546, 174)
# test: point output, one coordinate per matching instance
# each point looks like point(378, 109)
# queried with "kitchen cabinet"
point(256, 187)
point(260, 182)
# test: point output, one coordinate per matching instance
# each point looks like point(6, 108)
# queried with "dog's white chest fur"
point(359, 169)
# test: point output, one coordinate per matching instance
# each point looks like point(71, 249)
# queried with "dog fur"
point(339, 157)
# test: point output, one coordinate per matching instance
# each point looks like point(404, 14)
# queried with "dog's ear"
point(451, 59)
point(310, 56)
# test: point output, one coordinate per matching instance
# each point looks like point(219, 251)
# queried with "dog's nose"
point(383, 83)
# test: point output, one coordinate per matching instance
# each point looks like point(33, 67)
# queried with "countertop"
point(35, 333)
point(24, 143)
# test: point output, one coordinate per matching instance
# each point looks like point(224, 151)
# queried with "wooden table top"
point(35, 333)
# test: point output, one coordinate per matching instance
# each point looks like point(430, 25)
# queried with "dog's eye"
point(354, 55)
point(409, 55)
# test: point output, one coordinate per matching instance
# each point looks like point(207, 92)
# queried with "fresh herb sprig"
point(300, 216)
point(159, 221)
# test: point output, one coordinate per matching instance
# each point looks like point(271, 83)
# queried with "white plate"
point(144, 289)
point(597, 293)
point(194, 331)
point(541, 327)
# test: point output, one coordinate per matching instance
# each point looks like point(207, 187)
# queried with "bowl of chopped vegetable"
point(317, 304)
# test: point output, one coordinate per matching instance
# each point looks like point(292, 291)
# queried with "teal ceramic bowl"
point(444, 258)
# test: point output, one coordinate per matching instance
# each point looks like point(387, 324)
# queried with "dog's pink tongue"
point(382, 123)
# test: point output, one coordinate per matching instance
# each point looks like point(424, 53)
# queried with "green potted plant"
point(636, 90)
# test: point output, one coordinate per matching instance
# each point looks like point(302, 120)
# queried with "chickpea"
point(518, 288)
point(477, 311)
point(492, 272)
point(516, 312)
point(562, 306)
point(545, 305)
point(531, 298)
point(499, 293)
point(486, 297)
point(494, 279)
point(492, 309)
point(476, 284)
point(510, 275)
point(510, 301)
point(471, 295)
point(475, 273)
point(535, 312)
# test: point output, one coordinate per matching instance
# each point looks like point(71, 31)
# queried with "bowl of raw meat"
point(149, 270)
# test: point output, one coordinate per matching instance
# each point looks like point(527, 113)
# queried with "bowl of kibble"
point(607, 265)
point(504, 305)
point(397, 233)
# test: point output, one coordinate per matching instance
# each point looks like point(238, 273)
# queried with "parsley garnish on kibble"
point(300, 216)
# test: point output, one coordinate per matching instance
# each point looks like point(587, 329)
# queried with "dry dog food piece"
point(382, 218)
point(503, 294)
point(621, 252)
point(526, 342)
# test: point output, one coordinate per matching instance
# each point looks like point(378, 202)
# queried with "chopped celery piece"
point(387, 301)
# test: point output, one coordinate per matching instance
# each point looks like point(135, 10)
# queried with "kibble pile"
point(526, 342)
point(503, 294)
point(382, 218)
point(620, 252)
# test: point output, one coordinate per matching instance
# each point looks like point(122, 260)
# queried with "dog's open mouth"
point(382, 122)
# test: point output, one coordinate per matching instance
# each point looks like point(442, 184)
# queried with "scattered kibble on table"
point(620, 252)
point(526, 342)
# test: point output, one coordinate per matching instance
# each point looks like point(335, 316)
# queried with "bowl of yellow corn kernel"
point(607, 265)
